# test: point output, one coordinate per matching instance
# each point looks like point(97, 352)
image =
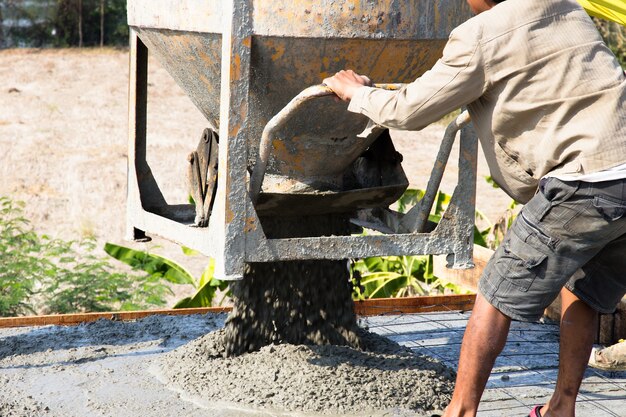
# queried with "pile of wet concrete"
point(292, 343)
point(327, 379)
point(114, 368)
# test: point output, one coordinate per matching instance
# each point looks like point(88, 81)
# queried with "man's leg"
point(578, 328)
point(484, 339)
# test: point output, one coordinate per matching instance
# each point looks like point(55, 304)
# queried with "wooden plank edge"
point(78, 318)
point(408, 305)
point(369, 307)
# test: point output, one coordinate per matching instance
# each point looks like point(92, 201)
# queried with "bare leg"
point(578, 328)
point(484, 339)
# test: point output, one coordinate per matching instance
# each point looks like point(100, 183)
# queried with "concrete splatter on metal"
point(241, 62)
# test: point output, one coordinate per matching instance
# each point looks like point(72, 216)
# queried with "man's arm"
point(457, 79)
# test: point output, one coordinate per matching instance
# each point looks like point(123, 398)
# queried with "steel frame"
point(234, 235)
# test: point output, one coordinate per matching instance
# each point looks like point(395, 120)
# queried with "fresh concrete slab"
point(525, 373)
point(108, 368)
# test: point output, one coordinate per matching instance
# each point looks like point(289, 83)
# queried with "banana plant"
point(404, 276)
point(158, 266)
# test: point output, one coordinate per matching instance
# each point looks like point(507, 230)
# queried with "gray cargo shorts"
point(571, 234)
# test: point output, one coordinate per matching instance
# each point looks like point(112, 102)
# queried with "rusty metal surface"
point(452, 236)
point(416, 219)
point(374, 179)
point(313, 139)
point(280, 70)
point(289, 204)
point(305, 18)
point(309, 138)
point(390, 41)
point(194, 61)
point(230, 210)
point(268, 135)
point(241, 62)
point(359, 18)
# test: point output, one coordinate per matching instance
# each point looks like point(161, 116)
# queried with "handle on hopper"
point(278, 121)
point(415, 220)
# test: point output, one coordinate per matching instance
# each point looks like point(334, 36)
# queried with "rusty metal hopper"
point(293, 45)
point(241, 62)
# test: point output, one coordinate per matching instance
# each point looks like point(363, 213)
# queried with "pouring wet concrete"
point(292, 342)
point(295, 302)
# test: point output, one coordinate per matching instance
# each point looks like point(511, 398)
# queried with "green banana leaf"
point(150, 263)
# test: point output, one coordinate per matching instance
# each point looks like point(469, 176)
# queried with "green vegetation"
point(39, 274)
point(63, 23)
point(397, 276)
point(42, 275)
point(403, 276)
point(159, 267)
point(614, 35)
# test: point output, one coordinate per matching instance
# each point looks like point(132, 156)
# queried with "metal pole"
point(232, 196)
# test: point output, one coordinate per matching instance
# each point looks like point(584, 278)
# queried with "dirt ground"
point(63, 144)
point(63, 141)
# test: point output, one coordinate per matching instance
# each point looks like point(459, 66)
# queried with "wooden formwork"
point(362, 308)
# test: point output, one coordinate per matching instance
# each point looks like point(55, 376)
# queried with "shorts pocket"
point(596, 220)
point(609, 209)
point(520, 261)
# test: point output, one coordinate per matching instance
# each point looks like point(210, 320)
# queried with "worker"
point(547, 100)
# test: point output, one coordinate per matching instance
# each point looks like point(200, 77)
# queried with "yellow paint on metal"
point(614, 10)
point(235, 67)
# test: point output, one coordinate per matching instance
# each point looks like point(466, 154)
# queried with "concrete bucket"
point(285, 149)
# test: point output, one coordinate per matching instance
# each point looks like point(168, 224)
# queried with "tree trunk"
point(1, 29)
point(102, 4)
point(80, 23)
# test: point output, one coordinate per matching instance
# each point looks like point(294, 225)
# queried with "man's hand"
point(346, 82)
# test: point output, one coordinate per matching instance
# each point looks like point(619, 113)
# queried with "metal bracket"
point(202, 176)
point(416, 219)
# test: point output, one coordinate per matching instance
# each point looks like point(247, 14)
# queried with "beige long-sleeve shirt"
point(546, 95)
